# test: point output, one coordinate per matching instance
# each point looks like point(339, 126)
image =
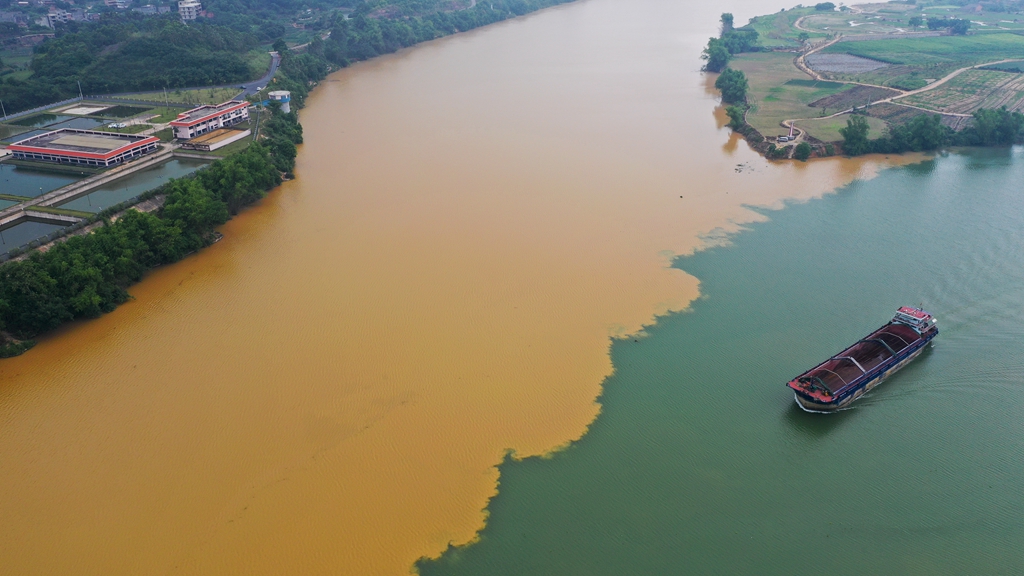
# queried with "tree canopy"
point(733, 85)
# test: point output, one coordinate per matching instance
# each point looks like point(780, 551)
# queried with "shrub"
point(802, 151)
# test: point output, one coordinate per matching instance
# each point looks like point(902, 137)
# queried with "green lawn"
point(779, 91)
point(165, 135)
point(776, 30)
point(827, 129)
point(164, 115)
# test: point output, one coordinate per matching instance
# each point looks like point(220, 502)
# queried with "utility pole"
point(4, 109)
point(80, 96)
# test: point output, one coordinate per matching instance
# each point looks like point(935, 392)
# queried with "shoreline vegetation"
point(86, 275)
point(915, 82)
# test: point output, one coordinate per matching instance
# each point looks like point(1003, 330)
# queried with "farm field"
point(854, 97)
point(777, 30)
point(915, 61)
point(962, 50)
point(972, 90)
point(779, 91)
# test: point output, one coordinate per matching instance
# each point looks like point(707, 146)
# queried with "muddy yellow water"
point(328, 390)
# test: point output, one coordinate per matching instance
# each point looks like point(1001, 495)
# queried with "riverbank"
point(813, 88)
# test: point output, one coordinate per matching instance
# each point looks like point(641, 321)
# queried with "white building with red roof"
point(83, 147)
point(203, 119)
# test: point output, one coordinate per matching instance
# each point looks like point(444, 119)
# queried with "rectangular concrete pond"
point(20, 181)
point(131, 186)
point(22, 234)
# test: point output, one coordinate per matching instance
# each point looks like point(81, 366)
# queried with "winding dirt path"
point(890, 100)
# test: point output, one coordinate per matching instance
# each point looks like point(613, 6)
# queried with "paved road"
point(251, 88)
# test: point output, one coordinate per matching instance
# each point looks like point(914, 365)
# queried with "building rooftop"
point(197, 114)
point(84, 141)
point(215, 136)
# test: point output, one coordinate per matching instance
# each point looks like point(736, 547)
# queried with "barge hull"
point(812, 406)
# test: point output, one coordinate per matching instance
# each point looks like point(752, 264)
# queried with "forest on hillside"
point(126, 52)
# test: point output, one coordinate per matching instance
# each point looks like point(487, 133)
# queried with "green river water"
point(701, 463)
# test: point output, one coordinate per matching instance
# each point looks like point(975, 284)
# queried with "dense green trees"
point(993, 128)
point(736, 116)
point(365, 34)
point(825, 6)
point(732, 41)
point(126, 53)
point(922, 133)
point(716, 56)
point(727, 22)
point(733, 85)
point(855, 136)
point(802, 151)
point(954, 25)
point(129, 52)
point(926, 132)
point(87, 275)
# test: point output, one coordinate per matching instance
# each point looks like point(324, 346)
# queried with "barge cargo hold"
point(837, 382)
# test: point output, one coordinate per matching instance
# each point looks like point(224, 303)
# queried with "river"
point(330, 388)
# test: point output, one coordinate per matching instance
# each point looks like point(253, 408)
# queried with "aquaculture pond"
point(131, 186)
point(21, 234)
point(19, 181)
point(40, 120)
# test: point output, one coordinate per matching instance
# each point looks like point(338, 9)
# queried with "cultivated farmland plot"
point(972, 90)
point(843, 63)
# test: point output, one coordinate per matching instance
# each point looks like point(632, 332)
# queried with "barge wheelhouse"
point(838, 381)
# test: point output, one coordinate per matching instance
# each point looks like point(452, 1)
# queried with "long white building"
point(203, 119)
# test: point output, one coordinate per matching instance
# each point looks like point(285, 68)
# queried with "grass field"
point(164, 115)
point(259, 61)
point(779, 91)
point(827, 129)
point(202, 96)
point(776, 30)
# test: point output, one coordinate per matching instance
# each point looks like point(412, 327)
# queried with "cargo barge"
point(837, 382)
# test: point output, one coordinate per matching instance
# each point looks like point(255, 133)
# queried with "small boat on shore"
point(837, 382)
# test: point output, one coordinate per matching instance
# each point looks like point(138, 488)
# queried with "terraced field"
point(972, 90)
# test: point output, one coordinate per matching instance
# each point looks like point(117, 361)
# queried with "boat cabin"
point(916, 318)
